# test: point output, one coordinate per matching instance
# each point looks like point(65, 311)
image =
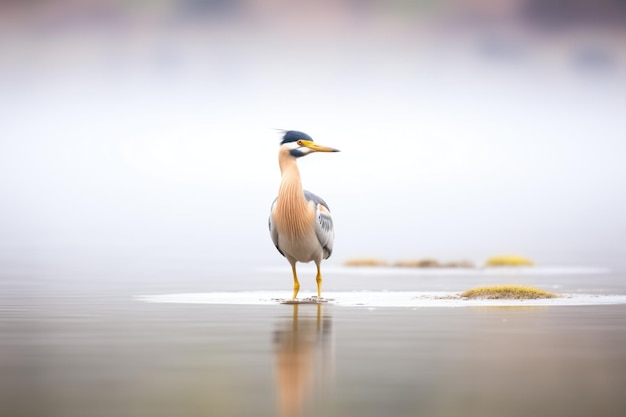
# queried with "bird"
point(300, 222)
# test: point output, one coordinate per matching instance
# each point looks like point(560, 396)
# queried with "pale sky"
point(442, 156)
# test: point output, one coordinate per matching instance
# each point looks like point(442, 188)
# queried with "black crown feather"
point(293, 136)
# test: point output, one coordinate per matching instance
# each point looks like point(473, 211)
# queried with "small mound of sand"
point(365, 262)
point(433, 263)
point(418, 263)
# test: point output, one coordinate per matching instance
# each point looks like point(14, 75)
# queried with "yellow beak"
point(315, 147)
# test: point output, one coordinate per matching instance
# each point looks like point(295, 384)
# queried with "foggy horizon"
point(464, 133)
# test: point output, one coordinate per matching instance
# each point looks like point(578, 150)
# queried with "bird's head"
point(301, 144)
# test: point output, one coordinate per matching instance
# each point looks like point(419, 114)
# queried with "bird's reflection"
point(304, 359)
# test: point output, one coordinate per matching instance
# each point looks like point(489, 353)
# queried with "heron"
point(300, 223)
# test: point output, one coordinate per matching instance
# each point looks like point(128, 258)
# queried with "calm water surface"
point(75, 342)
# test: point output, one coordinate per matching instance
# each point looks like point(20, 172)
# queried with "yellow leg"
point(296, 284)
point(318, 279)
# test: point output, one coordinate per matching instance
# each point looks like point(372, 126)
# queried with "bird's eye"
point(299, 143)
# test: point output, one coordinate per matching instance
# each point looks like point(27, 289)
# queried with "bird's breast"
point(296, 233)
point(293, 221)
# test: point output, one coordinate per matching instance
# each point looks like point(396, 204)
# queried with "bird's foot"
point(319, 300)
point(307, 300)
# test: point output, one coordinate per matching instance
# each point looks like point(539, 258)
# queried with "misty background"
point(467, 129)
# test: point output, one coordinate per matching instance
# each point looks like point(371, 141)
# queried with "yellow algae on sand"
point(499, 292)
point(509, 260)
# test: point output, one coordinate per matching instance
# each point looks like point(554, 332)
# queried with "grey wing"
point(324, 223)
point(273, 230)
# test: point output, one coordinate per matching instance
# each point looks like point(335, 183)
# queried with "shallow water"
point(75, 341)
